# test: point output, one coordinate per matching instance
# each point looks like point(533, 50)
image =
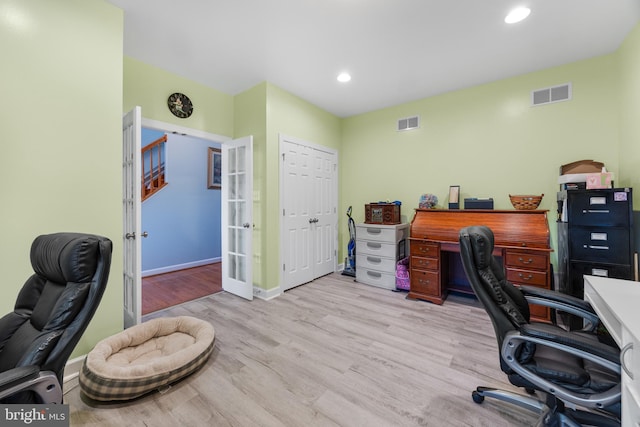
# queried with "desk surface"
point(617, 303)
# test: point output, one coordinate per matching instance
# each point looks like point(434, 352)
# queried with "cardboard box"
point(581, 166)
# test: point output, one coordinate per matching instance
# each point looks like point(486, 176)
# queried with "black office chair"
point(569, 369)
point(51, 313)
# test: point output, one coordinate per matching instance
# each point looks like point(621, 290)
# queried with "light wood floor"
point(329, 353)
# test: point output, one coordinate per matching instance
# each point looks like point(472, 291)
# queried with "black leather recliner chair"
point(575, 372)
point(51, 313)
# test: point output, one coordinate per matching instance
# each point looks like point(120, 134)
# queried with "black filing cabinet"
point(595, 237)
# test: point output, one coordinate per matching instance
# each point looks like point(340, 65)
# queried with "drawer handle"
point(529, 277)
point(424, 249)
point(373, 260)
point(604, 211)
point(622, 353)
point(374, 245)
point(604, 248)
point(423, 262)
point(424, 282)
point(374, 231)
point(522, 261)
point(374, 274)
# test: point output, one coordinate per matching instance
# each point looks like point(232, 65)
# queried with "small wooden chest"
point(382, 213)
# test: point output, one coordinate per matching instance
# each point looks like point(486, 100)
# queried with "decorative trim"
point(266, 294)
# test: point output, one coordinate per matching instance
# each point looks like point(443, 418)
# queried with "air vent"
point(409, 123)
point(551, 94)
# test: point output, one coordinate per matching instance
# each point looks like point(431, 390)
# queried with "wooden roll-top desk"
point(521, 241)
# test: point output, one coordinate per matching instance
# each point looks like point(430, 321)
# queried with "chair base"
point(552, 413)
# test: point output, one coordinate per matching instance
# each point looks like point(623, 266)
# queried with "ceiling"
point(395, 50)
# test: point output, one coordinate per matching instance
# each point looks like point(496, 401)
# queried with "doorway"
point(182, 225)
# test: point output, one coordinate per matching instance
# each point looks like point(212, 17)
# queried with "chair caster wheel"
point(477, 397)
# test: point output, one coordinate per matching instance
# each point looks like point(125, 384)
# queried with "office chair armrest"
point(562, 302)
point(18, 375)
point(573, 340)
point(578, 344)
point(29, 378)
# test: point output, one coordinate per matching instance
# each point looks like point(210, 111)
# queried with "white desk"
point(617, 303)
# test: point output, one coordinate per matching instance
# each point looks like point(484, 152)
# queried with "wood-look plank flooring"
point(329, 353)
point(166, 290)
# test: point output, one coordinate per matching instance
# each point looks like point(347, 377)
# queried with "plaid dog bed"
point(146, 357)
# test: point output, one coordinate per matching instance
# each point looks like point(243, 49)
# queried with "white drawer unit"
point(378, 248)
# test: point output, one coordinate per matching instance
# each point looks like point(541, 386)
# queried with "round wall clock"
point(180, 105)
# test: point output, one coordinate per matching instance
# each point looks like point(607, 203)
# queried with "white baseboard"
point(265, 294)
point(72, 368)
point(178, 267)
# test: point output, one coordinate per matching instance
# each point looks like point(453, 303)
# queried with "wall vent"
point(552, 94)
point(409, 123)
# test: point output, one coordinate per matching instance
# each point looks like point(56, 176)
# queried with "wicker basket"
point(526, 202)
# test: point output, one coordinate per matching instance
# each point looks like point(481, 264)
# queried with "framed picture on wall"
point(214, 169)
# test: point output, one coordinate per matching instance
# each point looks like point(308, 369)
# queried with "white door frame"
point(283, 239)
point(169, 128)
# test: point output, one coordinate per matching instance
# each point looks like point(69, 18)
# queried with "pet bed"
point(146, 357)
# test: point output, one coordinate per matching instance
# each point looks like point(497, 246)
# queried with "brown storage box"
point(382, 213)
point(581, 166)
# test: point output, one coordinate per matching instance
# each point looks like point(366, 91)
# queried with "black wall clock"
point(180, 105)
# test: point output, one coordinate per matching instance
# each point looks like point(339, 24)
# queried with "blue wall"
point(183, 219)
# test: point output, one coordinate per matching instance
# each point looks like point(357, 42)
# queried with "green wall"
point(487, 139)
point(61, 137)
point(265, 111)
point(629, 65)
point(149, 87)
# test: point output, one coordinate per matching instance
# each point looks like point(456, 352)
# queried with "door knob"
point(133, 235)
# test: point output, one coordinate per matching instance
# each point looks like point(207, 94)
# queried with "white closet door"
point(297, 223)
point(325, 218)
point(309, 206)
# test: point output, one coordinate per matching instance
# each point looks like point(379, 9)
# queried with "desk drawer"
point(365, 247)
point(375, 262)
point(425, 282)
point(421, 248)
point(423, 263)
point(527, 277)
point(526, 260)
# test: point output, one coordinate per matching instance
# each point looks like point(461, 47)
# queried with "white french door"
point(237, 217)
point(309, 211)
point(132, 219)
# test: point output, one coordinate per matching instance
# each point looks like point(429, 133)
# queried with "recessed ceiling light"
point(344, 77)
point(517, 15)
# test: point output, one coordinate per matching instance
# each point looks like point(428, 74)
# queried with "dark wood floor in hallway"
point(166, 290)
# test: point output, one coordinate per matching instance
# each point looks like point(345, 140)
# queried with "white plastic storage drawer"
point(376, 278)
point(382, 233)
point(375, 262)
point(364, 247)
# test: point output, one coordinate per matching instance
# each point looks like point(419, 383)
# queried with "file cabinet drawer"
point(610, 245)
